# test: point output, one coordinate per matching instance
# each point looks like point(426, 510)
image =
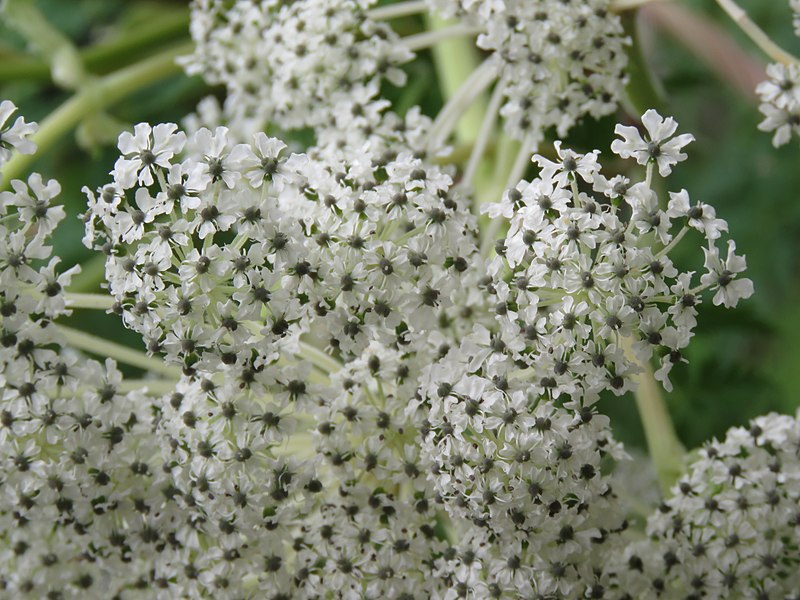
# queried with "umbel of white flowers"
point(367, 409)
point(293, 62)
point(731, 528)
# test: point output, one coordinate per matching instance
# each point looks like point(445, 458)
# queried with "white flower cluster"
point(732, 526)
point(423, 454)
point(14, 136)
point(557, 61)
point(79, 491)
point(203, 492)
point(231, 251)
point(291, 62)
point(585, 265)
point(526, 473)
point(379, 260)
point(780, 102)
point(300, 487)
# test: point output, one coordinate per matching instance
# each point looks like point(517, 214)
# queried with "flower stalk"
point(456, 62)
point(665, 449)
point(99, 346)
point(94, 97)
point(90, 301)
point(756, 34)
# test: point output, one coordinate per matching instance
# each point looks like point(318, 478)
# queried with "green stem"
point(666, 450)
point(95, 97)
point(619, 6)
point(154, 387)
point(91, 276)
point(427, 39)
point(455, 60)
point(756, 34)
point(319, 359)
point(102, 347)
point(105, 57)
point(400, 9)
point(91, 301)
point(675, 241)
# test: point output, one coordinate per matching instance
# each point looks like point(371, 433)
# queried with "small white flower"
point(701, 217)
point(144, 150)
point(782, 86)
point(659, 145)
point(14, 136)
point(721, 276)
point(782, 121)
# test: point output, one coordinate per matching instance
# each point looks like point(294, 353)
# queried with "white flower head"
point(144, 151)
point(292, 62)
point(557, 61)
point(14, 136)
point(722, 276)
point(727, 522)
point(702, 217)
point(659, 146)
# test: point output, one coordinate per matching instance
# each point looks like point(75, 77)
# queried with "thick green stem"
point(93, 98)
point(666, 450)
point(154, 387)
point(105, 57)
point(455, 60)
point(91, 276)
point(102, 347)
point(91, 301)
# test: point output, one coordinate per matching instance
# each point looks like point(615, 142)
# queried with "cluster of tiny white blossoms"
point(555, 61)
point(780, 95)
point(378, 259)
point(585, 266)
point(731, 528)
point(290, 62)
point(527, 473)
point(426, 452)
point(231, 251)
point(80, 484)
point(348, 399)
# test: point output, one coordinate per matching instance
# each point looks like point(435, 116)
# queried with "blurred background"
point(742, 362)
